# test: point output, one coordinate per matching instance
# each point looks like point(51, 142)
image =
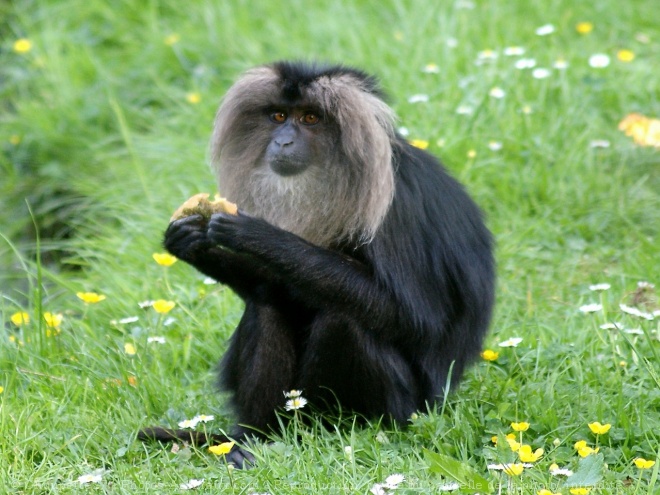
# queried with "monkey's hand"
point(241, 233)
point(187, 240)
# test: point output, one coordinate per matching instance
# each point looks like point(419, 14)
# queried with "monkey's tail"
point(198, 438)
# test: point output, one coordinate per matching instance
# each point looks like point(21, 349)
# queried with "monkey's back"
point(435, 253)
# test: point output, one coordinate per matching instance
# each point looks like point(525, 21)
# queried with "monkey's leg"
point(343, 362)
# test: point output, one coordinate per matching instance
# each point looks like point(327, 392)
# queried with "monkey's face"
point(299, 138)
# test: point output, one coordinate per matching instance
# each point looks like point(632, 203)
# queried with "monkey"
point(367, 271)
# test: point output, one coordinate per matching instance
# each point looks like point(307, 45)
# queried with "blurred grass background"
point(104, 124)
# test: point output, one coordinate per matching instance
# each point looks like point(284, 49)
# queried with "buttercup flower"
point(642, 463)
point(90, 297)
point(171, 39)
point(222, 449)
point(514, 469)
point(53, 320)
point(193, 98)
point(526, 455)
point(419, 143)
point(22, 45)
point(546, 492)
point(513, 444)
point(579, 491)
point(19, 319)
point(161, 306)
point(584, 27)
point(584, 450)
point(522, 426)
point(625, 55)
point(164, 259)
point(489, 355)
point(599, 429)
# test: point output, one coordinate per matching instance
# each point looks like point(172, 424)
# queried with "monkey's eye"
point(310, 119)
point(278, 117)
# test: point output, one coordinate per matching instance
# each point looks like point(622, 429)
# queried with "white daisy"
point(156, 340)
point(190, 485)
point(393, 481)
point(512, 342)
point(599, 143)
point(94, 477)
point(514, 51)
point(295, 404)
point(599, 61)
point(525, 63)
point(420, 98)
point(591, 308)
point(599, 287)
point(497, 92)
point(540, 73)
point(545, 30)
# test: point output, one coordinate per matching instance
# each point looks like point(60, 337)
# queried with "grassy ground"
point(106, 113)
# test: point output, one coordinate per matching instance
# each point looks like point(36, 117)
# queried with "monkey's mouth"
point(288, 168)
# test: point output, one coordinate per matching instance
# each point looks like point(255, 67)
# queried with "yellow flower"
point(489, 355)
point(513, 469)
point(22, 45)
point(15, 139)
point(599, 429)
point(164, 259)
point(587, 451)
point(162, 306)
point(419, 143)
point(222, 449)
point(90, 297)
point(193, 98)
point(129, 349)
point(513, 444)
point(547, 492)
point(171, 39)
point(20, 318)
point(584, 27)
point(642, 463)
point(520, 426)
point(53, 320)
point(471, 154)
point(2, 389)
point(645, 131)
point(132, 381)
point(625, 55)
point(580, 491)
point(526, 455)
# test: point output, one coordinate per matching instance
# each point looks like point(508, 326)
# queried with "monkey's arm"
point(315, 276)
point(187, 240)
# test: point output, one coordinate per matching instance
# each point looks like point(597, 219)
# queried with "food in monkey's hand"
point(199, 204)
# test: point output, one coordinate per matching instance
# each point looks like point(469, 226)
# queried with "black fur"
point(376, 326)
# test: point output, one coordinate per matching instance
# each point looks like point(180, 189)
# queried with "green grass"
point(98, 140)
